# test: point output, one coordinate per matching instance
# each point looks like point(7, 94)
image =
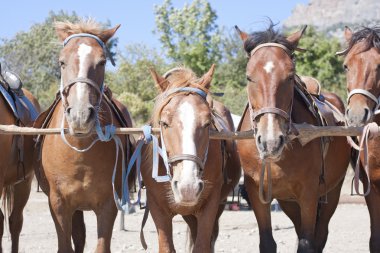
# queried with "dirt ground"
point(349, 230)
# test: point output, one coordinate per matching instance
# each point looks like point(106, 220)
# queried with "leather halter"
point(187, 157)
point(66, 88)
point(274, 110)
point(367, 94)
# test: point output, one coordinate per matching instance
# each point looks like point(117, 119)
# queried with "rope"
point(370, 131)
point(263, 199)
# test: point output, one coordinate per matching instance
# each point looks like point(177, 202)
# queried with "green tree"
point(34, 54)
point(189, 35)
point(131, 82)
point(320, 61)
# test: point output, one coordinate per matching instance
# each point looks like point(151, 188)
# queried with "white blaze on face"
point(270, 125)
point(83, 53)
point(187, 118)
point(269, 66)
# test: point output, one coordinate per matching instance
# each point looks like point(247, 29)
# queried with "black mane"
point(371, 36)
point(269, 35)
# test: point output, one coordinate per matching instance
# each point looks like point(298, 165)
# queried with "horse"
point(362, 66)
point(297, 176)
point(203, 171)
point(76, 171)
point(16, 158)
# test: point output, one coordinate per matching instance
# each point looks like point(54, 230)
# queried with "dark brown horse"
point(203, 171)
point(297, 177)
point(362, 65)
point(79, 181)
point(15, 175)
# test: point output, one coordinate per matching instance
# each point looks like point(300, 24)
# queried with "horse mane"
point(178, 77)
point(83, 26)
point(270, 35)
point(370, 35)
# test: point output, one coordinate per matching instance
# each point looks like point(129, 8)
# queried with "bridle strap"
point(273, 110)
point(270, 45)
point(364, 93)
point(85, 80)
point(187, 157)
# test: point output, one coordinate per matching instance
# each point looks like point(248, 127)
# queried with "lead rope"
point(265, 167)
point(371, 130)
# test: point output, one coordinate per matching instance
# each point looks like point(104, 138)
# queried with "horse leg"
point(325, 213)
point(163, 222)
point(1, 230)
point(373, 200)
point(62, 218)
point(308, 206)
point(292, 210)
point(79, 231)
point(263, 217)
point(215, 231)
point(206, 219)
point(21, 194)
point(192, 223)
point(105, 217)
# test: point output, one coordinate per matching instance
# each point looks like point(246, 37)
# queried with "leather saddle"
point(11, 90)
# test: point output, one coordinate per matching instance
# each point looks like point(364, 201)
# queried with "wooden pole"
point(306, 132)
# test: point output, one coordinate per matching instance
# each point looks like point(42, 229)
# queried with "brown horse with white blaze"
point(15, 174)
point(362, 65)
point(203, 171)
point(276, 101)
point(78, 181)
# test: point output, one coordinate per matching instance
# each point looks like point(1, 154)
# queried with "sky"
point(137, 16)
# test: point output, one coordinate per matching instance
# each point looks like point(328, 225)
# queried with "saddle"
point(11, 90)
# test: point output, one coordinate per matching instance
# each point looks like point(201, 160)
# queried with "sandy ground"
point(349, 230)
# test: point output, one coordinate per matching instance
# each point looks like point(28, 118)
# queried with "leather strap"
point(366, 94)
point(273, 110)
point(187, 157)
point(270, 45)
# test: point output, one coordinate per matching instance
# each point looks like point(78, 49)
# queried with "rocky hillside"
point(332, 15)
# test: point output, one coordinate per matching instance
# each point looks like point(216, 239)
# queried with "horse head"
point(184, 116)
point(82, 60)
point(362, 66)
point(270, 74)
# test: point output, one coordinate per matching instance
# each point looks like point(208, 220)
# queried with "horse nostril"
point(366, 114)
point(68, 110)
point(91, 112)
point(201, 185)
point(347, 110)
point(282, 140)
point(175, 183)
point(259, 139)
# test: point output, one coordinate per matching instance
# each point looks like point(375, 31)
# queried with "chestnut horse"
point(78, 181)
point(203, 171)
point(362, 65)
point(297, 179)
point(16, 175)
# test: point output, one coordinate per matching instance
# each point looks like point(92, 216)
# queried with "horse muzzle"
point(81, 119)
point(358, 116)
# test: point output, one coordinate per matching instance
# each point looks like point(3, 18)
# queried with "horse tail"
point(189, 241)
point(8, 201)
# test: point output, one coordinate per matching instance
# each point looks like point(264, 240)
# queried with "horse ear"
point(107, 34)
point(207, 78)
point(243, 35)
point(161, 83)
point(347, 34)
point(295, 37)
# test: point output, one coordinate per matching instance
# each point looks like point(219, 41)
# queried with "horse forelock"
point(369, 35)
point(83, 26)
point(270, 35)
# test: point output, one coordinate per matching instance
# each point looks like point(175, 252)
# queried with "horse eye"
point(345, 67)
point(164, 124)
point(249, 79)
point(102, 62)
point(61, 64)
